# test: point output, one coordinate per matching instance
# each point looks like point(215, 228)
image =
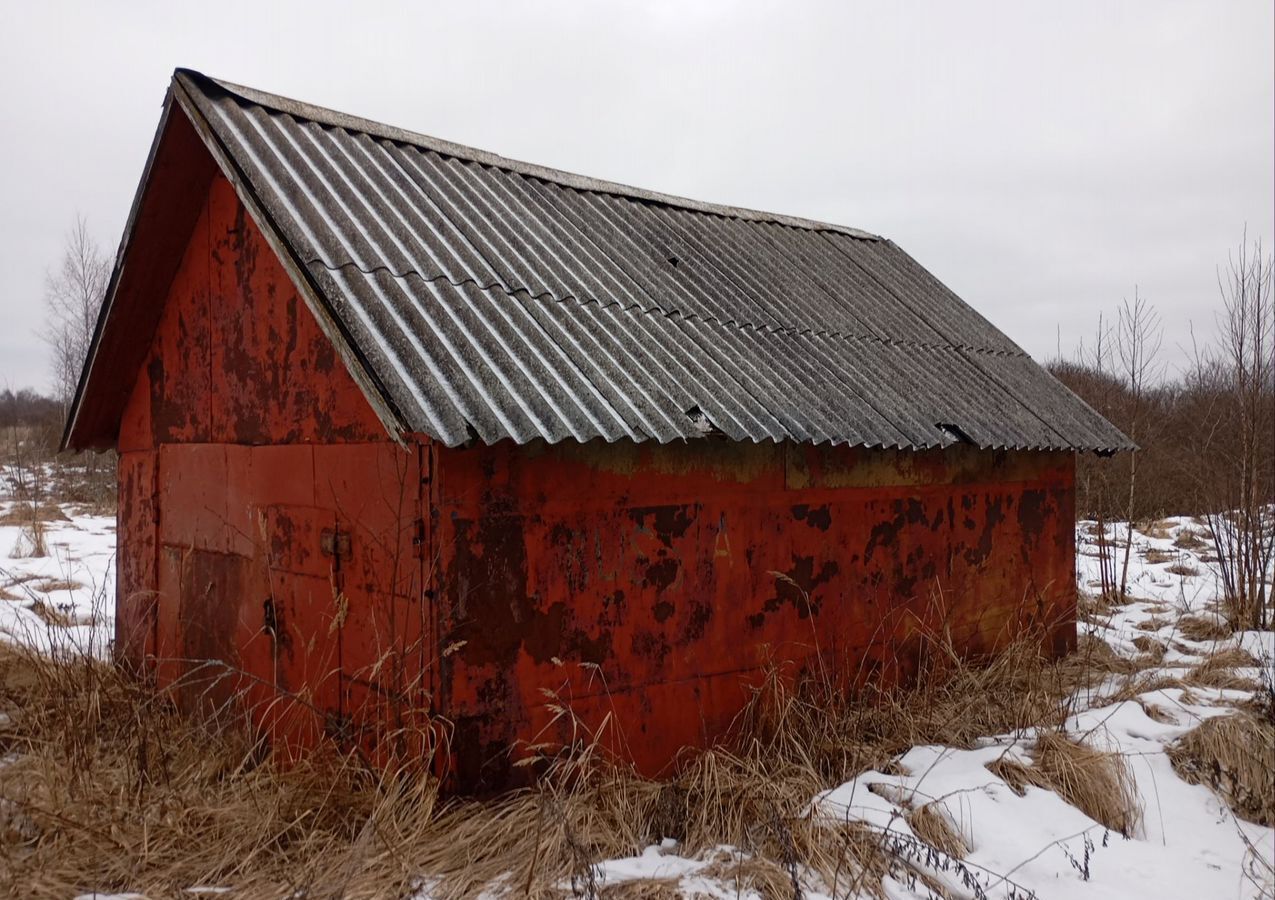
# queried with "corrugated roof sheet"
point(496, 299)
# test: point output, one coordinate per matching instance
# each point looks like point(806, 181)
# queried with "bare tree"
point(1098, 360)
point(73, 295)
point(1139, 335)
point(1239, 426)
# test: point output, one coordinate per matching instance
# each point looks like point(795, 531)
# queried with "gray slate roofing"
point(494, 299)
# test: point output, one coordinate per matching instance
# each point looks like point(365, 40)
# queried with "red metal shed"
point(410, 433)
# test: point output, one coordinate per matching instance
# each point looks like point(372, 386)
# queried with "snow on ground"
point(66, 598)
point(1188, 844)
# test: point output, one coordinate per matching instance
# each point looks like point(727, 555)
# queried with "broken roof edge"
point(333, 118)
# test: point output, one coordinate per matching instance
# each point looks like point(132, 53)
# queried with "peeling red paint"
point(676, 573)
point(267, 521)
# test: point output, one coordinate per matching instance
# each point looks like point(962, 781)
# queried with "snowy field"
point(64, 599)
point(1187, 844)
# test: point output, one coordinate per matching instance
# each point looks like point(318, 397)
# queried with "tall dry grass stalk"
point(106, 787)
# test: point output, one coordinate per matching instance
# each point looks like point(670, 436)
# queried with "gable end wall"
point(244, 441)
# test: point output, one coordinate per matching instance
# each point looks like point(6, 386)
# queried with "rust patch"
point(816, 517)
point(798, 590)
point(662, 575)
point(667, 523)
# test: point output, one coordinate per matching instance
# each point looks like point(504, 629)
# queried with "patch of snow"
point(63, 601)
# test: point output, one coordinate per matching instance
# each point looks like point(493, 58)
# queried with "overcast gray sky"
point(1040, 158)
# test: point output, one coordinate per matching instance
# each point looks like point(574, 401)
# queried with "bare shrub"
point(22, 468)
point(1237, 432)
point(1139, 335)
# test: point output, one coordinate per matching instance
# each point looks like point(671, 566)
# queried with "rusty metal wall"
point(652, 583)
point(266, 522)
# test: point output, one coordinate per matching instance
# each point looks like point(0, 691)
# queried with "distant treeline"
point(28, 407)
point(1193, 432)
point(1207, 435)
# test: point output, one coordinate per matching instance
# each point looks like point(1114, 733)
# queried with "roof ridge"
point(336, 119)
point(792, 330)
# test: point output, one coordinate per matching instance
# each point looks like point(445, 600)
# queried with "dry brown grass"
point(112, 790)
point(1093, 606)
point(1234, 657)
point(1144, 684)
point(1202, 628)
point(643, 889)
point(1098, 783)
point(1218, 671)
point(1190, 539)
point(1156, 556)
point(1097, 606)
point(1093, 660)
point(1161, 529)
point(52, 585)
point(51, 615)
point(1235, 755)
point(26, 513)
point(1157, 713)
point(933, 824)
point(1182, 569)
point(1154, 649)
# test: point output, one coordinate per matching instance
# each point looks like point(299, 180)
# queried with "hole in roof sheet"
point(701, 423)
point(953, 433)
